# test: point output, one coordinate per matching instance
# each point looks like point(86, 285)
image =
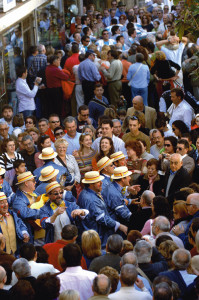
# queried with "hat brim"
point(2, 171)
point(41, 178)
point(118, 158)
point(110, 162)
point(93, 181)
point(54, 187)
point(119, 177)
point(45, 158)
point(26, 179)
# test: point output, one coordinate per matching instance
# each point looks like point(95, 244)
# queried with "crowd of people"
point(99, 170)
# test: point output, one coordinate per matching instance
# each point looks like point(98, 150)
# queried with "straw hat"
point(92, 177)
point(24, 177)
point(51, 186)
point(121, 172)
point(48, 173)
point(117, 156)
point(47, 153)
point(2, 196)
point(2, 171)
point(104, 162)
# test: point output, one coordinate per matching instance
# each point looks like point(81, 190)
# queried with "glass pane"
point(51, 24)
point(13, 57)
point(2, 83)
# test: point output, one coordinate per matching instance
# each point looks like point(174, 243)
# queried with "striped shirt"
point(6, 162)
point(85, 161)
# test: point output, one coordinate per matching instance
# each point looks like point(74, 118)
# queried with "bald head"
point(2, 275)
point(129, 258)
point(192, 203)
point(101, 285)
point(193, 199)
point(138, 103)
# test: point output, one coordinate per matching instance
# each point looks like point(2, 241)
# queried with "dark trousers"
point(55, 100)
point(88, 90)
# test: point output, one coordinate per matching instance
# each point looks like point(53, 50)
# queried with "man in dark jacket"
point(176, 177)
point(138, 218)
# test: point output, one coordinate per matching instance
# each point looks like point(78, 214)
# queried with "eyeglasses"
point(59, 133)
point(87, 41)
point(173, 129)
point(86, 115)
point(167, 145)
point(57, 193)
point(179, 148)
point(99, 132)
point(105, 33)
point(29, 122)
point(54, 122)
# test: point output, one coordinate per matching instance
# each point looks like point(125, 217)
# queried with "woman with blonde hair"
point(90, 130)
point(66, 160)
point(91, 245)
point(162, 71)
point(180, 214)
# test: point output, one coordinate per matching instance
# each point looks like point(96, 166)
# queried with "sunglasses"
point(59, 133)
point(29, 122)
point(99, 132)
point(167, 145)
point(58, 193)
point(54, 122)
point(179, 148)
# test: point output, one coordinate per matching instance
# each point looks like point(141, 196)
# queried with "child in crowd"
point(20, 168)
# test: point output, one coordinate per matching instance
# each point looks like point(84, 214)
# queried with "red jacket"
point(54, 76)
point(53, 250)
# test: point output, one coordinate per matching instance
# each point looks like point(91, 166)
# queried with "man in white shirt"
point(107, 130)
point(180, 109)
point(128, 277)
point(72, 136)
point(24, 94)
point(74, 276)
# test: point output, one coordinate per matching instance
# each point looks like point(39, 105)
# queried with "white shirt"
point(183, 112)
point(174, 55)
point(188, 278)
point(25, 95)
point(76, 278)
point(129, 293)
point(117, 143)
point(36, 270)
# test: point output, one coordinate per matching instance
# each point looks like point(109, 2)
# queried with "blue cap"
point(90, 51)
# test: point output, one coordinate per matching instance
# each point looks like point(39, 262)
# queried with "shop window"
point(51, 25)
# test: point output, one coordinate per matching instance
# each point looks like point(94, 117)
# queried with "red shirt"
point(72, 61)
point(54, 76)
point(53, 249)
point(51, 134)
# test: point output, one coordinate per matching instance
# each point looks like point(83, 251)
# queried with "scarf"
point(151, 181)
point(5, 216)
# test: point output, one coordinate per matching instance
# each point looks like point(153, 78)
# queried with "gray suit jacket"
point(189, 164)
point(150, 116)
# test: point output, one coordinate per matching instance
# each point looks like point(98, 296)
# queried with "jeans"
point(27, 113)
point(140, 92)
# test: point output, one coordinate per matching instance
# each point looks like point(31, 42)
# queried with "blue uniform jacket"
point(6, 188)
point(62, 171)
point(98, 217)
point(106, 182)
point(20, 206)
point(46, 211)
point(115, 202)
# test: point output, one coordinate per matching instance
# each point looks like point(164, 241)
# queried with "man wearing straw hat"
point(48, 175)
point(119, 159)
point(98, 218)
point(12, 227)
point(57, 213)
point(106, 167)
point(24, 198)
point(114, 195)
point(48, 155)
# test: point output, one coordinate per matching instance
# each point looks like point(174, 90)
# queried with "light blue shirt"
point(141, 78)
point(88, 71)
point(73, 143)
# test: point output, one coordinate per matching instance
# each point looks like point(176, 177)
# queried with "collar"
point(173, 173)
point(183, 156)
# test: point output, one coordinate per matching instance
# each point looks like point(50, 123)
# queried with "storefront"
point(29, 23)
